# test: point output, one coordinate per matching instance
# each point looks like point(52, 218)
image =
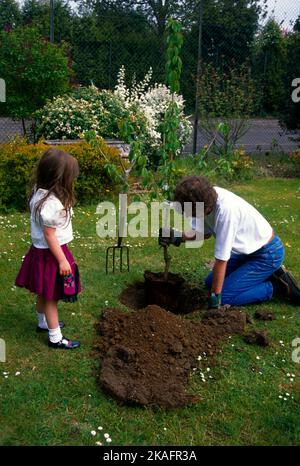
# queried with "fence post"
point(2, 90)
point(109, 65)
point(52, 21)
point(199, 70)
point(2, 350)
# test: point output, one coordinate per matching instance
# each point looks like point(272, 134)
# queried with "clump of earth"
point(148, 354)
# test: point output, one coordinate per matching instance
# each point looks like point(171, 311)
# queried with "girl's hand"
point(64, 267)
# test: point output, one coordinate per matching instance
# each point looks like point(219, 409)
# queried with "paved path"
point(9, 129)
point(260, 137)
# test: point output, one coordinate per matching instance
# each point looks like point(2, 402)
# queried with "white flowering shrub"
point(153, 102)
point(66, 118)
point(88, 108)
point(70, 116)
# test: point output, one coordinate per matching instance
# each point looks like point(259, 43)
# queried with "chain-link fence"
point(112, 34)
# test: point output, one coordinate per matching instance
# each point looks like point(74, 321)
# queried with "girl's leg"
point(40, 312)
point(51, 314)
point(56, 339)
point(40, 304)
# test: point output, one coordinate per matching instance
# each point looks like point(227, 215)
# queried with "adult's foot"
point(285, 285)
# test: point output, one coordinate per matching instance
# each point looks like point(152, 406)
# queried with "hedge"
point(18, 160)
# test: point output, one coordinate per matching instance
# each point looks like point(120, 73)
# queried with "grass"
point(55, 399)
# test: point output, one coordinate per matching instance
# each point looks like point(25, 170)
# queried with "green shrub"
point(18, 160)
point(295, 156)
point(85, 109)
point(34, 70)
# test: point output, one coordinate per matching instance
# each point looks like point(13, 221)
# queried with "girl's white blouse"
point(53, 215)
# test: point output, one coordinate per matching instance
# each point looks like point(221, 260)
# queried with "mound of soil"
point(147, 355)
point(142, 293)
point(257, 337)
point(264, 315)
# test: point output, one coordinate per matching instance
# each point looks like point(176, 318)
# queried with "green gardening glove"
point(214, 301)
point(167, 237)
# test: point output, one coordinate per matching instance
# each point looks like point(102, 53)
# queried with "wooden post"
point(52, 21)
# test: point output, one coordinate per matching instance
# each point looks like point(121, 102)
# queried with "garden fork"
point(111, 251)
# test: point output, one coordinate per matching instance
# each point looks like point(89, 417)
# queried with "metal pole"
point(52, 21)
point(199, 70)
point(109, 66)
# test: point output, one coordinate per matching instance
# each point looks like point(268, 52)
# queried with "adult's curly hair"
point(196, 189)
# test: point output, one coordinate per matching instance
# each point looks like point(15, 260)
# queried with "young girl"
point(49, 269)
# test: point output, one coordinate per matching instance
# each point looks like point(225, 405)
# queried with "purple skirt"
point(39, 274)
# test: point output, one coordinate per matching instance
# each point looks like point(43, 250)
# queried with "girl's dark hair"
point(196, 189)
point(56, 172)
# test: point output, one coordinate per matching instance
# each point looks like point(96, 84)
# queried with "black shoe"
point(64, 343)
point(285, 285)
point(39, 329)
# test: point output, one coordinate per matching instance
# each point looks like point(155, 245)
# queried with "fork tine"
point(127, 250)
point(114, 249)
point(114, 259)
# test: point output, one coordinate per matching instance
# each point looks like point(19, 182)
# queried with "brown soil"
point(264, 315)
point(147, 355)
point(257, 338)
point(164, 293)
point(190, 298)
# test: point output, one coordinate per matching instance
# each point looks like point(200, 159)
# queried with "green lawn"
point(55, 400)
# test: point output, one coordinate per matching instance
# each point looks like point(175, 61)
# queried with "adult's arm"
point(219, 271)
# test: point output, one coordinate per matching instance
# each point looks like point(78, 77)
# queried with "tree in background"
point(34, 71)
point(156, 12)
point(297, 24)
point(36, 13)
point(290, 116)
point(227, 101)
point(106, 39)
point(9, 14)
point(270, 61)
point(229, 28)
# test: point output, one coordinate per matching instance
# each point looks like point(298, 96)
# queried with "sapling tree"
point(171, 125)
point(165, 177)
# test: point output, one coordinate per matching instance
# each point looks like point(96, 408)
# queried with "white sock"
point(42, 323)
point(55, 335)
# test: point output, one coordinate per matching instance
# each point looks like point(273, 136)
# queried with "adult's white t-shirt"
point(237, 226)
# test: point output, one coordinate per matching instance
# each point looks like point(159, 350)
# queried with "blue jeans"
point(247, 275)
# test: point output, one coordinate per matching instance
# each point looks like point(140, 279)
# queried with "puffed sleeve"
point(51, 213)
